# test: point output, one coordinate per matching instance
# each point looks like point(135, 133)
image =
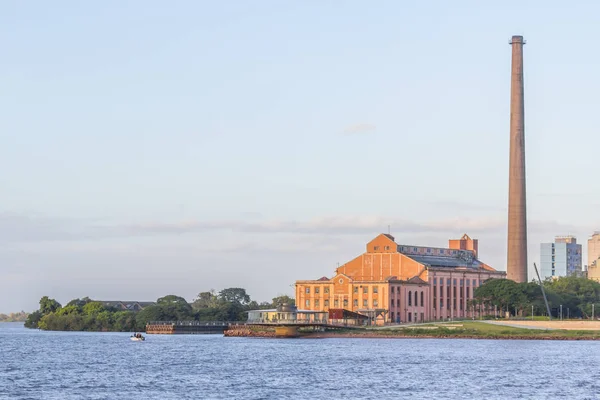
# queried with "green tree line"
point(88, 315)
point(575, 294)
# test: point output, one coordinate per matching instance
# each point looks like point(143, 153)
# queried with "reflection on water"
point(79, 365)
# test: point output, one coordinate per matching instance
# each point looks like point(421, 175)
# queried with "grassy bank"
point(467, 329)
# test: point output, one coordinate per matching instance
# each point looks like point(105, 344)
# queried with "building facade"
point(561, 258)
point(593, 265)
point(392, 283)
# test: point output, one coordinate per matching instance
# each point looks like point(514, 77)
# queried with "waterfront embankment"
point(457, 330)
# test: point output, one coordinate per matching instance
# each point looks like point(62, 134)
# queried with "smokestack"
point(516, 266)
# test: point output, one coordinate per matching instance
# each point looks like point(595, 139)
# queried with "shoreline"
point(332, 335)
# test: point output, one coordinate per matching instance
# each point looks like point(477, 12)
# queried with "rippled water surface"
point(77, 365)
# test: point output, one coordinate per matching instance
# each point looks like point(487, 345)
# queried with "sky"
point(151, 148)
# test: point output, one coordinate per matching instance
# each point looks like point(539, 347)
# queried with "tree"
point(149, 314)
point(206, 300)
point(93, 308)
point(234, 295)
point(283, 299)
point(33, 319)
point(175, 308)
point(48, 306)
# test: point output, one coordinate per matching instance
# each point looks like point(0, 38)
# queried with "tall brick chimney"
point(516, 265)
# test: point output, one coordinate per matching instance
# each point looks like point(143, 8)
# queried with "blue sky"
point(150, 149)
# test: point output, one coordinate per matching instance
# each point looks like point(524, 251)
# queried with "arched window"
point(416, 299)
point(410, 298)
point(422, 299)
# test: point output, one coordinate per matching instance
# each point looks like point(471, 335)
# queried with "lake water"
point(78, 365)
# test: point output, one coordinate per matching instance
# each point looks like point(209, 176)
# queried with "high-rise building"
point(561, 258)
point(516, 263)
point(593, 263)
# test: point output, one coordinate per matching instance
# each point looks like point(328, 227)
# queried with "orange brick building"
point(400, 283)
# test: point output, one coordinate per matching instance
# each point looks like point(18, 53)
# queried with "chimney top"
point(517, 39)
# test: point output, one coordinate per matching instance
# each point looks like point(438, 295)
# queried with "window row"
point(336, 303)
point(416, 298)
point(365, 289)
point(461, 282)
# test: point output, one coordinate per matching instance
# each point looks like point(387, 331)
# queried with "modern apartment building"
point(593, 263)
point(561, 258)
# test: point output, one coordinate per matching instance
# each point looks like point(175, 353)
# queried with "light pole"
point(561, 312)
point(592, 312)
point(532, 312)
point(568, 313)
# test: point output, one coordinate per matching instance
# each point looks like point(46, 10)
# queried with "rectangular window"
point(434, 292)
point(307, 290)
point(326, 303)
point(474, 283)
point(355, 303)
point(326, 290)
point(317, 290)
point(317, 304)
point(422, 317)
point(448, 281)
point(454, 282)
point(441, 303)
point(434, 304)
point(375, 303)
point(454, 304)
point(448, 291)
point(365, 290)
point(398, 303)
point(376, 248)
point(435, 281)
point(307, 303)
point(355, 289)
point(345, 302)
point(375, 289)
point(365, 303)
point(409, 317)
point(336, 303)
point(462, 282)
point(387, 247)
point(467, 293)
point(392, 289)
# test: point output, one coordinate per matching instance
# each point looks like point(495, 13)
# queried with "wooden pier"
point(186, 327)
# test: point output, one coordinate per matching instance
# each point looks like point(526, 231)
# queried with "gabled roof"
point(416, 279)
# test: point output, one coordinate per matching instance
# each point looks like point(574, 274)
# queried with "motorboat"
point(137, 337)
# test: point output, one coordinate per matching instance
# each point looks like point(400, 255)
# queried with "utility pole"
point(544, 293)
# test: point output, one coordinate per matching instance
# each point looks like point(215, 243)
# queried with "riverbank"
point(457, 330)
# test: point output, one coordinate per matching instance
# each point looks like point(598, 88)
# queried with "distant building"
point(286, 314)
point(561, 258)
point(593, 264)
point(127, 305)
point(392, 283)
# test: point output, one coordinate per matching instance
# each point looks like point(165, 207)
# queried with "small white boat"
point(137, 338)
